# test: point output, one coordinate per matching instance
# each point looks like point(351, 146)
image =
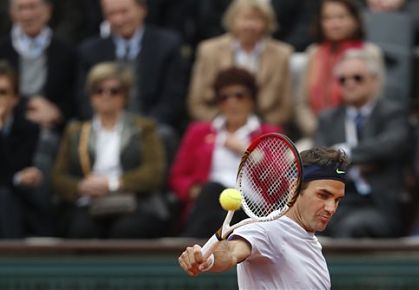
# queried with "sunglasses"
point(239, 96)
point(111, 91)
point(357, 78)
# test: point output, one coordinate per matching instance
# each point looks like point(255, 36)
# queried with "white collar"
point(30, 47)
point(365, 110)
point(97, 125)
point(252, 124)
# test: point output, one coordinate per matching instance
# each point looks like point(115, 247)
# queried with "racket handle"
point(207, 251)
point(209, 247)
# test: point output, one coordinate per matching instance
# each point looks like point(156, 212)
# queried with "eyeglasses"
point(358, 78)
point(222, 98)
point(111, 91)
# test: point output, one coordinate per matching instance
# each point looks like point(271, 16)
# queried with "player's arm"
point(226, 255)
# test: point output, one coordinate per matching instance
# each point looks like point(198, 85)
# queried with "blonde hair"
point(263, 6)
point(110, 70)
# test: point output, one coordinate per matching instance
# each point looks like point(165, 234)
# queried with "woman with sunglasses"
point(210, 152)
point(116, 154)
point(338, 27)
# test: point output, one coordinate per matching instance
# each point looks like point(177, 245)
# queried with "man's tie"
point(359, 124)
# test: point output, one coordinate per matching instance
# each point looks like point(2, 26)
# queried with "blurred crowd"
point(127, 118)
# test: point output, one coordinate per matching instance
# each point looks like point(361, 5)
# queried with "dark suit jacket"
point(159, 74)
point(17, 148)
point(383, 149)
point(61, 72)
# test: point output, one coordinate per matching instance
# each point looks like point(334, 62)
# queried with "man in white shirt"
point(284, 253)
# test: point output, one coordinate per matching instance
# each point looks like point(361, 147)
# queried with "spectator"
point(115, 154)
point(47, 68)
point(375, 134)
point(210, 151)
point(46, 64)
point(294, 18)
point(338, 28)
point(247, 44)
point(20, 214)
point(154, 55)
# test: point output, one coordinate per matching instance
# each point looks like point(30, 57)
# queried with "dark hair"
point(324, 157)
point(235, 76)
point(353, 9)
point(6, 70)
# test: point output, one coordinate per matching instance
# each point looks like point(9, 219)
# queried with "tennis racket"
point(268, 177)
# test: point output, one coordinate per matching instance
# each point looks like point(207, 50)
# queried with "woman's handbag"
point(112, 204)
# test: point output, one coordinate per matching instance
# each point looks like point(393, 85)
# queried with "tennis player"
point(284, 253)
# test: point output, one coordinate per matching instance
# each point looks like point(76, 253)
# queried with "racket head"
point(269, 175)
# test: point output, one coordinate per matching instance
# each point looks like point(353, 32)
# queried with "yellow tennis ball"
point(230, 199)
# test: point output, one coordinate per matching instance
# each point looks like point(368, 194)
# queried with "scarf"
point(30, 47)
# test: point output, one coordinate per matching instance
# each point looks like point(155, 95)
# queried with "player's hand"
point(192, 261)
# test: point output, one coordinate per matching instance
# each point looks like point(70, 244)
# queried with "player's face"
point(337, 23)
point(249, 25)
point(31, 15)
point(318, 203)
point(358, 84)
point(124, 16)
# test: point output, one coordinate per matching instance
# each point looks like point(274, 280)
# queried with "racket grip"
point(209, 247)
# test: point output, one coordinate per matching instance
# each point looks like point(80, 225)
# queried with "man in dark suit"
point(47, 71)
point(153, 54)
point(45, 64)
point(19, 212)
point(375, 134)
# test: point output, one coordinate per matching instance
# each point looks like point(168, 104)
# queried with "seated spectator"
point(338, 28)
point(20, 214)
point(46, 65)
point(375, 133)
point(47, 70)
point(247, 44)
point(294, 18)
point(153, 54)
point(210, 152)
point(114, 154)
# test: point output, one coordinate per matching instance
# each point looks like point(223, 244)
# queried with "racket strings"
point(269, 178)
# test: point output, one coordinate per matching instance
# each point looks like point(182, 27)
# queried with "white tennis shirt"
point(284, 256)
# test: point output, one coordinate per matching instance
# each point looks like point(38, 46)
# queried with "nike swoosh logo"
point(339, 171)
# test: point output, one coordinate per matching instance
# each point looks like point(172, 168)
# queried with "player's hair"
point(352, 8)
point(263, 6)
point(110, 71)
point(323, 157)
point(7, 71)
point(236, 76)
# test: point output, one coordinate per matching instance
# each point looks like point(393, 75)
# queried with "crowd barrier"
point(54, 264)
